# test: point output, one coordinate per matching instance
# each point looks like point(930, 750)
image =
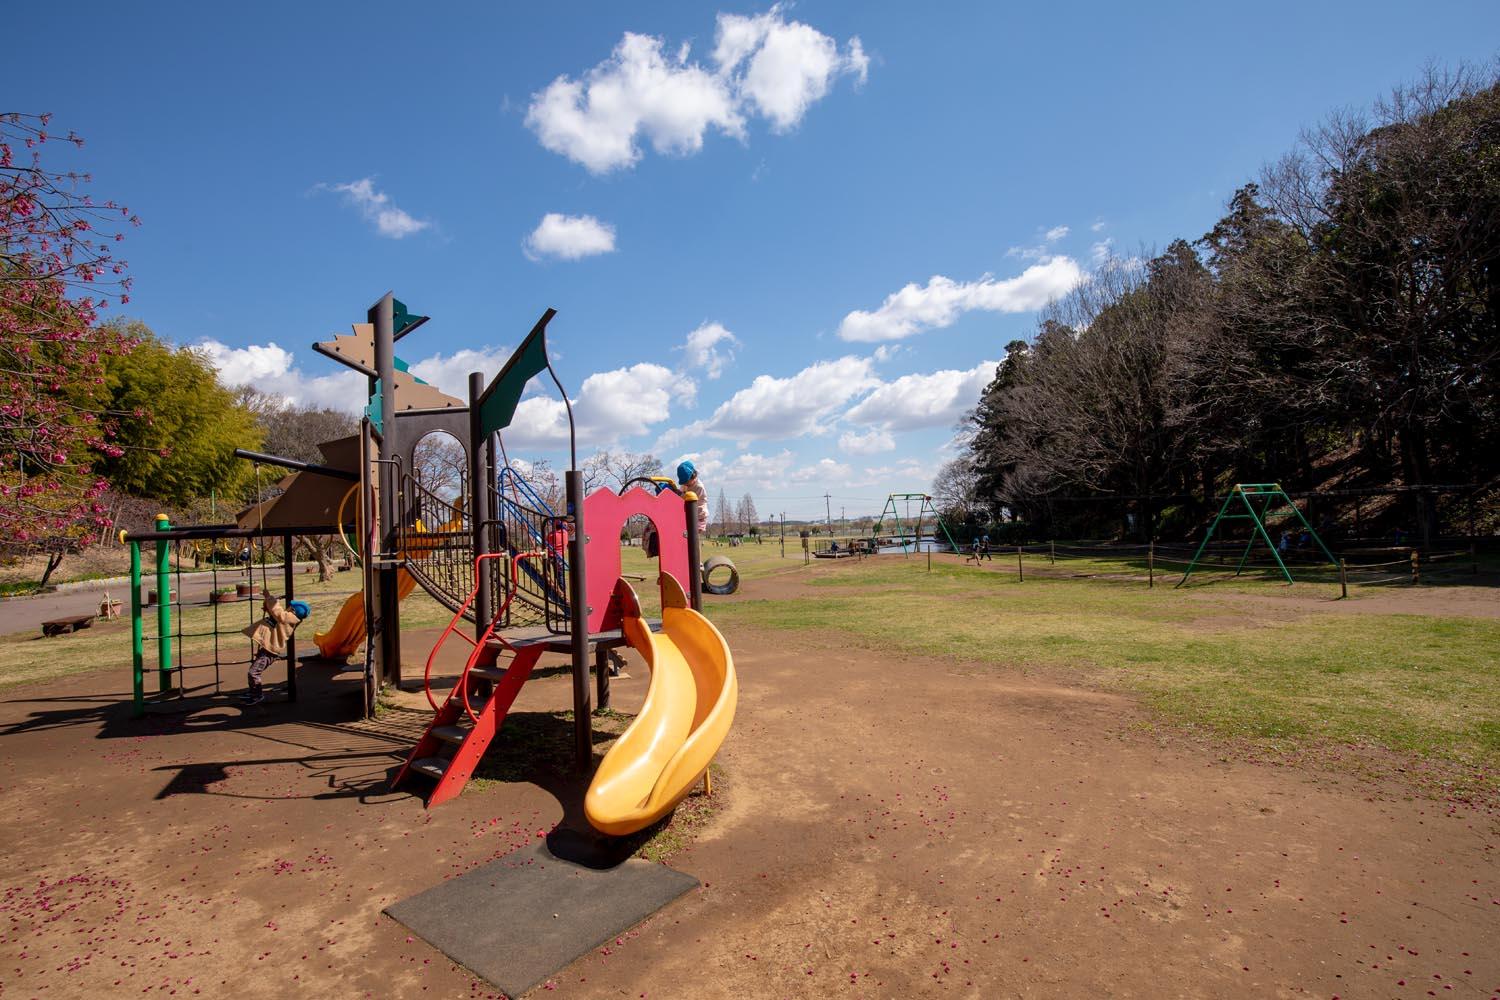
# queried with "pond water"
point(925, 545)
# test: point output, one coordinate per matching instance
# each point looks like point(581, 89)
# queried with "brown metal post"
point(1020, 570)
point(578, 620)
point(480, 477)
point(382, 316)
point(694, 555)
point(1343, 578)
point(291, 643)
point(601, 677)
point(1151, 564)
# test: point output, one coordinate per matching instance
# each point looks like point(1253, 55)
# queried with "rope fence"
point(1155, 563)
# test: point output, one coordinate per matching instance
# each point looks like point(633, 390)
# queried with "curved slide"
point(348, 630)
point(689, 707)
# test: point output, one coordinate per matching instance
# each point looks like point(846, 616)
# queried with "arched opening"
point(440, 466)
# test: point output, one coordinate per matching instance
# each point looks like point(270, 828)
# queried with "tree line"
point(1337, 327)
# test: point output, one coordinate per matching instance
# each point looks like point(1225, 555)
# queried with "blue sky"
point(788, 241)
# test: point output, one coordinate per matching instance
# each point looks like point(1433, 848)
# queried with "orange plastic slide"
point(348, 631)
point(689, 708)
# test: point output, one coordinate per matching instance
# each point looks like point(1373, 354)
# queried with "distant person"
point(1284, 543)
point(834, 548)
point(557, 545)
point(268, 640)
point(984, 548)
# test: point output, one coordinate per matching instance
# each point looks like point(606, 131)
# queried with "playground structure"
point(1257, 503)
point(520, 578)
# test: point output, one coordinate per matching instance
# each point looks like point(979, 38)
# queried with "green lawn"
point(1425, 685)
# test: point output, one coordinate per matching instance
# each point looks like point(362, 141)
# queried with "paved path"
point(26, 614)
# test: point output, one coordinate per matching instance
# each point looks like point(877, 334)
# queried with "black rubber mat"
point(517, 920)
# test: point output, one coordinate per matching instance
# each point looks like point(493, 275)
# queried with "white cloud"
point(638, 90)
point(871, 443)
point(569, 237)
point(755, 471)
point(1100, 251)
point(711, 348)
point(937, 399)
point(787, 66)
point(765, 66)
point(378, 209)
point(751, 469)
point(1098, 226)
point(611, 406)
point(629, 401)
point(771, 408)
point(271, 369)
point(886, 352)
point(942, 300)
point(824, 470)
point(1056, 233)
point(451, 373)
point(907, 473)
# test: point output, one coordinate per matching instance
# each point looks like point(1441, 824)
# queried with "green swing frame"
point(1257, 501)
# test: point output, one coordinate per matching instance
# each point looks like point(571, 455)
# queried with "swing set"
point(1256, 503)
point(925, 507)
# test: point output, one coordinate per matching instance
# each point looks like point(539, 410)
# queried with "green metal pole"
point(137, 632)
point(1206, 536)
point(163, 618)
point(1266, 535)
point(1310, 531)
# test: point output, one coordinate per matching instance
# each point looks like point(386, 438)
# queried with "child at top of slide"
point(688, 482)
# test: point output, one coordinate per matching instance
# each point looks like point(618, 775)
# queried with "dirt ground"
point(885, 828)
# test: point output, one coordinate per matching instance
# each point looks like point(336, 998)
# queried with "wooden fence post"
point(1416, 576)
point(1343, 578)
point(1020, 570)
point(1151, 565)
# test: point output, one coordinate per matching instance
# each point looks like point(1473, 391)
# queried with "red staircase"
point(466, 723)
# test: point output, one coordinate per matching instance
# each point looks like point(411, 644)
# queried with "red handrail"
point(478, 644)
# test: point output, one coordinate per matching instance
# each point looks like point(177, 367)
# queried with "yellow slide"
point(688, 710)
point(348, 630)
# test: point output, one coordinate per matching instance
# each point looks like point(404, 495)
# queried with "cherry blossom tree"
point(58, 270)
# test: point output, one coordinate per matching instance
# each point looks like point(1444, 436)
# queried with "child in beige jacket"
point(268, 639)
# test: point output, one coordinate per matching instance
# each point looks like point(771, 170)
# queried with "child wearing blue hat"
point(688, 482)
point(268, 640)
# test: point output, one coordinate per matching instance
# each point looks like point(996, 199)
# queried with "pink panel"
point(604, 512)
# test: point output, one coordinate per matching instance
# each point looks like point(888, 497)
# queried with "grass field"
point(1418, 684)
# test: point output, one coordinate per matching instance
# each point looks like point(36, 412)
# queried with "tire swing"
point(720, 589)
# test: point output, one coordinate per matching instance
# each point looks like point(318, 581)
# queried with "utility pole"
point(828, 511)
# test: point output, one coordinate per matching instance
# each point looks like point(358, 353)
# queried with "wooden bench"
point(60, 626)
